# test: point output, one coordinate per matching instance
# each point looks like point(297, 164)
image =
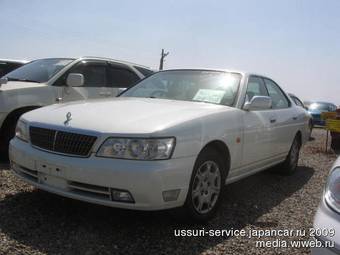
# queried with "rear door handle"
point(272, 120)
point(295, 118)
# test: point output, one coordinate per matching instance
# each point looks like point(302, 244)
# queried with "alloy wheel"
point(206, 187)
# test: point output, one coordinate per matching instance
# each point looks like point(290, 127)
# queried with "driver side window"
point(255, 87)
point(94, 74)
point(278, 98)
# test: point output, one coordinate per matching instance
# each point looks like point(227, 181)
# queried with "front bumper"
point(326, 218)
point(90, 179)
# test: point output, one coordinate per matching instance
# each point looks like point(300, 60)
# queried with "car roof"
point(14, 61)
point(243, 73)
point(320, 102)
point(100, 58)
point(115, 60)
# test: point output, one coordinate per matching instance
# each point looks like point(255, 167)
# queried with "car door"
point(258, 125)
point(95, 81)
point(120, 77)
point(287, 119)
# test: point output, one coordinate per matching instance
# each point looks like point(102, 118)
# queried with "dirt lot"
point(35, 222)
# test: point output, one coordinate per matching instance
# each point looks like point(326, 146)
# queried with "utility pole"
point(163, 55)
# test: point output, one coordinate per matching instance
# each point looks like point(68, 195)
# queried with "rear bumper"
point(91, 179)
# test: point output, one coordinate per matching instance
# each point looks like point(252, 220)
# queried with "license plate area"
point(51, 175)
point(52, 181)
point(50, 169)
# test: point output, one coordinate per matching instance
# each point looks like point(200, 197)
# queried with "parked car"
point(298, 102)
point(327, 218)
point(8, 65)
point(47, 81)
point(173, 140)
point(317, 108)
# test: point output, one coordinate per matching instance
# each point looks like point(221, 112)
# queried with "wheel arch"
point(16, 114)
point(223, 150)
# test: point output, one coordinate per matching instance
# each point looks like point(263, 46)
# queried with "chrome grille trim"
point(62, 142)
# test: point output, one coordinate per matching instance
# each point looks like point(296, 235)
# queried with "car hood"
point(12, 85)
point(123, 115)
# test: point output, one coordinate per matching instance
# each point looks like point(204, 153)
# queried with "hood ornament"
point(68, 119)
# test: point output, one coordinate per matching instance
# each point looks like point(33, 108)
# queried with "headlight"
point(21, 131)
point(137, 148)
point(332, 191)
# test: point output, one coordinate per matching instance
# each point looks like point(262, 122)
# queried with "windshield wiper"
point(27, 80)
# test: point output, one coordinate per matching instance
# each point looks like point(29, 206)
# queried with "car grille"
point(62, 142)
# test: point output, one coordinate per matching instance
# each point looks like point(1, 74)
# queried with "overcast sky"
point(297, 43)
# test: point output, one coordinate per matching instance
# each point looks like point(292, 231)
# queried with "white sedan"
point(173, 140)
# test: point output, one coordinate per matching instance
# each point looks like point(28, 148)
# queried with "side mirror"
point(258, 103)
point(3, 81)
point(75, 80)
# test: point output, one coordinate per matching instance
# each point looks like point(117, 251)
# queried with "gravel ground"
point(35, 222)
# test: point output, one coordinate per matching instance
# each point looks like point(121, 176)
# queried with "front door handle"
point(105, 93)
point(295, 118)
point(272, 120)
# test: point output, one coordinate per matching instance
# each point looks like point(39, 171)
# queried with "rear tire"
point(289, 166)
point(206, 186)
point(310, 125)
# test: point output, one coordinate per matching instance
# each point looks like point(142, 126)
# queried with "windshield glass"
point(320, 107)
point(215, 87)
point(39, 70)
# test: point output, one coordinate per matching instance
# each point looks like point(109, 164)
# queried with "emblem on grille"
point(68, 118)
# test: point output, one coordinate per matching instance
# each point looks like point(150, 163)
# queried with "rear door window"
point(144, 71)
point(120, 76)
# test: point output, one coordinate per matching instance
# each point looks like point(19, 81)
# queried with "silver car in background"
point(327, 218)
point(8, 65)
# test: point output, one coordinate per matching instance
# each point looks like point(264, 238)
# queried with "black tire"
point(310, 130)
point(206, 157)
point(289, 166)
point(6, 137)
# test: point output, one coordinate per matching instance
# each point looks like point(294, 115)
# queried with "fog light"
point(121, 196)
point(170, 195)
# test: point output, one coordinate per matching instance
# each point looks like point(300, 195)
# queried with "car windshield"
point(320, 107)
point(215, 87)
point(39, 70)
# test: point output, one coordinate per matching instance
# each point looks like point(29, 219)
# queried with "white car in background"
point(47, 81)
point(173, 140)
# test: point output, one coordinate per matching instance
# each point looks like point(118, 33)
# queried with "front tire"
point(206, 186)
